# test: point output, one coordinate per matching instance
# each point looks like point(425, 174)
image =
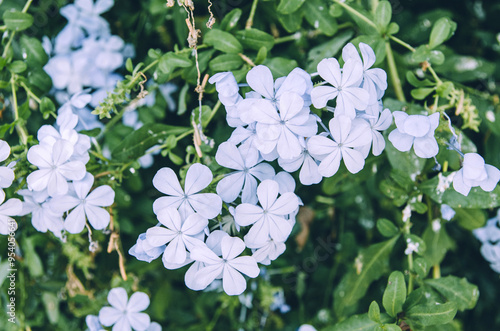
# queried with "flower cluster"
point(124, 314)
point(85, 54)
point(61, 183)
point(489, 235)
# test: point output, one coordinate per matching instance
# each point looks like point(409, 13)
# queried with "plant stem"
point(21, 130)
point(252, 14)
point(402, 43)
point(393, 71)
point(356, 13)
point(410, 278)
point(4, 54)
point(285, 39)
point(433, 73)
point(185, 134)
point(30, 93)
point(214, 111)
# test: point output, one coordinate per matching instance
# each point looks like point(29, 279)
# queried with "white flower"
point(489, 235)
point(309, 173)
point(246, 163)
point(144, 251)
point(281, 130)
point(347, 134)
point(93, 323)
point(6, 173)
point(378, 122)
point(43, 217)
point(447, 213)
point(267, 252)
point(416, 131)
point(231, 266)
point(306, 327)
point(374, 80)
point(188, 201)
point(345, 87)
point(268, 220)
point(228, 89)
point(125, 314)
point(180, 234)
point(11, 207)
point(475, 173)
point(55, 167)
point(86, 205)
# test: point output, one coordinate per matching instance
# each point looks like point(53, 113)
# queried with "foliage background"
point(59, 284)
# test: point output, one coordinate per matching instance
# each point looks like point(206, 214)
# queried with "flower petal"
point(118, 298)
point(198, 177)
point(231, 247)
point(138, 301)
point(260, 79)
point(166, 182)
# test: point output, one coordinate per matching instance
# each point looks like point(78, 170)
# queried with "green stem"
point(252, 14)
point(27, 6)
point(185, 134)
point(21, 130)
point(7, 46)
point(393, 71)
point(214, 320)
point(30, 93)
point(138, 76)
point(433, 73)
point(214, 111)
point(410, 267)
point(402, 43)
point(356, 13)
point(285, 39)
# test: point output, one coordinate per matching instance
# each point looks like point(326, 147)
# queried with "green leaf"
point(442, 30)
point(35, 54)
point(91, 133)
point(420, 296)
point(413, 80)
point(457, 290)
point(231, 19)
point(316, 12)
point(438, 243)
point(470, 219)
point(327, 49)
point(374, 312)
point(47, 106)
point(136, 144)
point(477, 198)
point(261, 56)
point(358, 323)
point(432, 314)
point(407, 162)
point(17, 67)
point(386, 228)
point(51, 303)
point(393, 28)
point(223, 41)
point(255, 39)
point(17, 21)
point(445, 89)
point(291, 22)
point(289, 6)
point(371, 264)
point(421, 93)
point(420, 267)
point(383, 15)
point(129, 65)
point(170, 61)
point(280, 66)
point(394, 294)
point(32, 260)
point(226, 62)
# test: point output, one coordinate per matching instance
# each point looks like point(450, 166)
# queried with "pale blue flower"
point(125, 314)
point(475, 173)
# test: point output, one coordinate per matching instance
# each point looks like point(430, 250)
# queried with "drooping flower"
point(230, 265)
point(345, 87)
point(85, 205)
point(475, 173)
point(125, 314)
point(347, 134)
point(180, 234)
point(416, 131)
point(144, 251)
point(267, 220)
point(248, 169)
point(187, 200)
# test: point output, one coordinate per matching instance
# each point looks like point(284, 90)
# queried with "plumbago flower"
point(281, 129)
point(125, 314)
point(378, 121)
point(416, 131)
point(231, 266)
point(9, 208)
point(144, 251)
point(345, 87)
point(187, 200)
point(180, 234)
point(6, 173)
point(375, 79)
point(309, 173)
point(43, 217)
point(248, 167)
point(267, 220)
point(347, 134)
point(84, 205)
point(489, 235)
point(475, 173)
point(55, 167)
